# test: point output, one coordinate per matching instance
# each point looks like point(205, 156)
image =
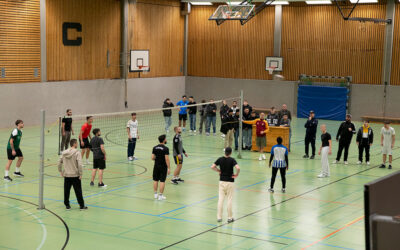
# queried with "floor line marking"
point(251, 238)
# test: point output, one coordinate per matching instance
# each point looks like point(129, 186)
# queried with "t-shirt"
point(16, 135)
point(279, 152)
point(160, 151)
point(273, 119)
point(226, 164)
point(181, 103)
point(96, 142)
point(325, 138)
point(387, 136)
point(68, 123)
point(86, 128)
point(133, 128)
point(178, 145)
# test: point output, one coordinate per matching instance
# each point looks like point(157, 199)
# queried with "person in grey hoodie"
point(71, 159)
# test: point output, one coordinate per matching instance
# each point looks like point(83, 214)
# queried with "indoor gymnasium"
point(178, 124)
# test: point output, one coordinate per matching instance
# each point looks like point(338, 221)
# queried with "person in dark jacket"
point(247, 106)
point(203, 116)
point(273, 118)
point(192, 114)
point(344, 136)
point(247, 129)
point(285, 111)
point(365, 138)
point(311, 133)
point(211, 117)
point(223, 113)
point(236, 127)
point(167, 113)
point(229, 128)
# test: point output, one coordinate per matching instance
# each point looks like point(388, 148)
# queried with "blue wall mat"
point(328, 102)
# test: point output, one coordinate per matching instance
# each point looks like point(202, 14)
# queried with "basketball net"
point(271, 70)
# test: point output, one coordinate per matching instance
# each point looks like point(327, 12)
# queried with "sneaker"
point(92, 183)
point(312, 157)
point(383, 166)
point(175, 182)
point(194, 131)
point(321, 176)
point(359, 162)
point(335, 162)
point(130, 158)
point(19, 174)
point(83, 208)
point(283, 190)
point(207, 134)
point(7, 178)
point(190, 131)
point(346, 163)
point(305, 156)
point(214, 134)
point(222, 135)
point(68, 208)
point(135, 158)
point(155, 196)
point(183, 129)
point(180, 180)
point(367, 162)
point(219, 220)
point(260, 158)
point(102, 185)
point(167, 131)
point(231, 220)
point(271, 190)
point(390, 167)
point(263, 156)
point(161, 197)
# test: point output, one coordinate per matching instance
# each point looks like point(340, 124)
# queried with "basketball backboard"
point(139, 61)
point(274, 62)
point(232, 12)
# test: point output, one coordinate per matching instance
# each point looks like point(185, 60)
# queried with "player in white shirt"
point(133, 135)
point(388, 135)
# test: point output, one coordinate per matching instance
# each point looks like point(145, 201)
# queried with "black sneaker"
point(219, 220)
point(84, 208)
point(19, 174)
point(102, 185)
point(175, 182)
point(92, 183)
point(180, 180)
point(305, 156)
point(7, 178)
point(390, 167)
point(312, 157)
point(68, 207)
point(382, 166)
point(231, 220)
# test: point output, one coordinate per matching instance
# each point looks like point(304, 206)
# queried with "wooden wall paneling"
point(101, 31)
point(317, 41)
point(159, 27)
point(229, 50)
point(395, 74)
point(20, 40)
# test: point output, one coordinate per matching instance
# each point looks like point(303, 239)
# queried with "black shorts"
point(182, 117)
point(12, 157)
point(160, 173)
point(177, 161)
point(99, 164)
point(86, 143)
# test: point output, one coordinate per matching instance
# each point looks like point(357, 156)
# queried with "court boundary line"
point(56, 215)
point(252, 238)
point(273, 205)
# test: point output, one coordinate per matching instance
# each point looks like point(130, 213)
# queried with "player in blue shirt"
point(183, 112)
point(280, 161)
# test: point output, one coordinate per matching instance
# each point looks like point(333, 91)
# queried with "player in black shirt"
point(324, 151)
point(226, 183)
point(344, 136)
point(160, 156)
point(66, 130)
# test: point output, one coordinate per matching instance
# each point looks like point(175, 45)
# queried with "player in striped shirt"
point(280, 161)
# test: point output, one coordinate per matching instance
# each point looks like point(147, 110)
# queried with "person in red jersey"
point(261, 131)
point(84, 137)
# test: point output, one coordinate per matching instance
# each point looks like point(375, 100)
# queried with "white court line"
point(44, 237)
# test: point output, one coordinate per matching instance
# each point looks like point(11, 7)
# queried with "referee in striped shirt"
point(280, 161)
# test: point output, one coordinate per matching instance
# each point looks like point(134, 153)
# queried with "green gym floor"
point(313, 213)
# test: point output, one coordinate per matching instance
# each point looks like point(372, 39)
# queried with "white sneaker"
point(260, 158)
point(321, 176)
point(263, 156)
point(155, 196)
point(359, 162)
point(335, 162)
point(130, 158)
point(222, 135)
point(283, 190)
point(367, 162)
point(271, 190)
point(167, 131)
point(194, 131)
point(161, 197)
point(207, 134)
point(190, 131)
point(214, 134)
point(346, 163)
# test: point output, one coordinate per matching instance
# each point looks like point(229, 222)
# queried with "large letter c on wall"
point(65, 28)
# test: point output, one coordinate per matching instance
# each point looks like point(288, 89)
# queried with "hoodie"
point(369, 139)
point(167, 112)
point(72, 161)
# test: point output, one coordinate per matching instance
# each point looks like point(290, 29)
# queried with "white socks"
point(6, 173)
point(17, 169)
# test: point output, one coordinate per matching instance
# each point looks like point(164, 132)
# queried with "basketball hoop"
point(271, 70)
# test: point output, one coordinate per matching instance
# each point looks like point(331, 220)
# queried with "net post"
point(59, 135)
point(240, 141)
point(41, 167)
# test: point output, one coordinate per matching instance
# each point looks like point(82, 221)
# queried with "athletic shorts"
point(99, 164)
point(387, 150)
point(182, 117)
point(261, 142)
point(177, 161)
point(86, 143)
point(12, 157)
point(160, 173)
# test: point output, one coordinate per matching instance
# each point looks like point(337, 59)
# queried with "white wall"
point(24, 101)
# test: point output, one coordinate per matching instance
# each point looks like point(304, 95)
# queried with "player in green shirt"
point(14, 151)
